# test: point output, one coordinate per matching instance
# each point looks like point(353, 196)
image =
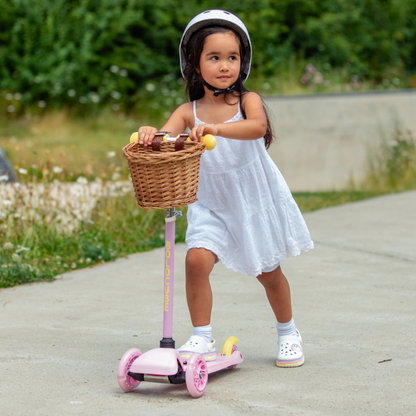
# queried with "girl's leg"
point(290, 352)
point(278, 293)
point(199, 264)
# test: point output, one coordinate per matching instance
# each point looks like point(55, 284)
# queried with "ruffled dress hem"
point(294, 251)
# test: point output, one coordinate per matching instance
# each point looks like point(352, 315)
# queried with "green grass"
point(116, 228)
point(36, 243)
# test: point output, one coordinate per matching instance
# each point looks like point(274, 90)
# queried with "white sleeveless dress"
point(245, 213)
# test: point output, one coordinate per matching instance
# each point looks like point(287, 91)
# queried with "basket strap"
point(180, 141)
point(158, 140)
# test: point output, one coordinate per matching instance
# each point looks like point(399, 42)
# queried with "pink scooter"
point(165, 364)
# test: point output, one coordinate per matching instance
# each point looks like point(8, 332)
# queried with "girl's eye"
point(214, 58)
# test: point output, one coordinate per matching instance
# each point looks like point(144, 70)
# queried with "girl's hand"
point(146, 135)
point(198, 131)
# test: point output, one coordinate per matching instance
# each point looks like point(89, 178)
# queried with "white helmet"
point(217, 18)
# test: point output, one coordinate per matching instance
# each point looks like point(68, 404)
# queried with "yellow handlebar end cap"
point(210, 141)
point(134, 137)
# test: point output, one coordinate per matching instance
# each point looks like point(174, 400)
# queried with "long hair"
point(194, 86)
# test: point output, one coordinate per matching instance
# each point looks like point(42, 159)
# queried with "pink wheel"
point(126, 382)
point(196, 375)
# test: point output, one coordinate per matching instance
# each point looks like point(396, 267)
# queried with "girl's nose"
point(224, 66)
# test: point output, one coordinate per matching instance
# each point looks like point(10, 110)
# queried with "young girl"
point(245, 215)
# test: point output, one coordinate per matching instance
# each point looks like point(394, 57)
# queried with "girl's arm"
point(176, 124)
point(254, 127)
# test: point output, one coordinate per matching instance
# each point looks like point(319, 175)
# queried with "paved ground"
point(354, 298)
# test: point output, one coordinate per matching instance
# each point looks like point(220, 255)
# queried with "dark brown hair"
point(195, 88)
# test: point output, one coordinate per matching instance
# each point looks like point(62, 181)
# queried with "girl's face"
point(220, 60)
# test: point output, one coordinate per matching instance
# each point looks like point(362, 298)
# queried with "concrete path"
point(354, 299)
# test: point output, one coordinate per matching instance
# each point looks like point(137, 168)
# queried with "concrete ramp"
point(324, 140)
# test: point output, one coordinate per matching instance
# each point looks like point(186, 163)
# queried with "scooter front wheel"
point(126, 382)
point(196, 375)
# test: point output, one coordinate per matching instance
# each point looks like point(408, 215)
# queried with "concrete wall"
point(324, 140)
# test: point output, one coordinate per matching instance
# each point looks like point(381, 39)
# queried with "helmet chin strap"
point(217, 92)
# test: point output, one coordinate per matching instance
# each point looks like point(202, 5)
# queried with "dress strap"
point(197, 120)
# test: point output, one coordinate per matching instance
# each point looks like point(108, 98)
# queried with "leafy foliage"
point(89, 52)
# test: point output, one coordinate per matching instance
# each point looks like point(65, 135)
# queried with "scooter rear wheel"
point(126, 382)
point(231, 367)
point(196, 375)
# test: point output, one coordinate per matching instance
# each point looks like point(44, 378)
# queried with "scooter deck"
point(164, 362)
point(222, 362)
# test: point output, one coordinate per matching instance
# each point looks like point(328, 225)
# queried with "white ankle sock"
point(204, 332)
point(287, 328)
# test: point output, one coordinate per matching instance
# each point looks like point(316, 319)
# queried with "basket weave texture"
point(166, 178)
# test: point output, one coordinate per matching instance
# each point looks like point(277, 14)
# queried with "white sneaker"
point(198, 344)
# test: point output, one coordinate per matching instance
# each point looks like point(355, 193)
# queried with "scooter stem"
point(170, 217)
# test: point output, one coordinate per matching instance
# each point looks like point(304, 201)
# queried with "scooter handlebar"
point(209, 140)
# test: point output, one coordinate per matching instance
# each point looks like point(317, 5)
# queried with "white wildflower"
point(21, 249)
point(16, 258)
point(8, 246)
point(57, 169)
point(4, 178)
point(82, 180)
point(7, 202)
point(111, 154)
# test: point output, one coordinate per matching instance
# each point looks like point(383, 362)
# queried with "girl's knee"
point(271, 278)
point(199, 259)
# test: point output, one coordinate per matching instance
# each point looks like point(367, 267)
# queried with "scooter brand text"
point(167, 274)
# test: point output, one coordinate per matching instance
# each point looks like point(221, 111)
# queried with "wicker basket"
point(162, 176)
